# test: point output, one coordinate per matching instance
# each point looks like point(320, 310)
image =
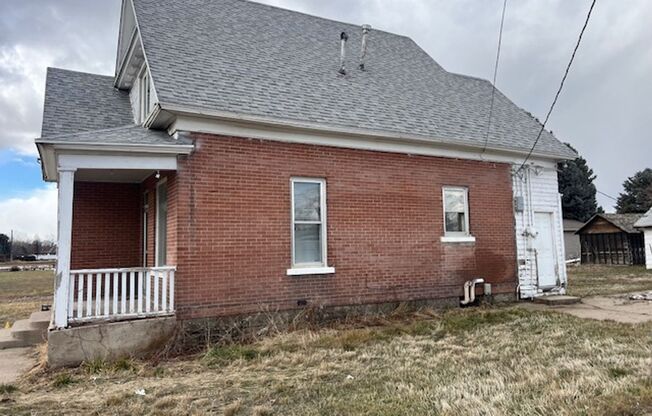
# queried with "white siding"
point(648, 248)
point(538, 188)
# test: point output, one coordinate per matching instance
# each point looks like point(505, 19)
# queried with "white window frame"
point(162, 182)
point(310, 268)
point(457, 236)
point(144, 94)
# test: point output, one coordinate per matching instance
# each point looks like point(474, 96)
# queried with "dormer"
point(132, 73)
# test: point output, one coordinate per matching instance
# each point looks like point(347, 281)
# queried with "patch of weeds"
point(7, 388)
point(95, 366)
point(225, 354)
point(159, 372)
point(233, 408)
point(62, 380)
point(350, 340)
point(618, 372)
point(635, 401)
point(166, 403)
point(420, 328)
point(565, 374)
point(262, 411)
point(123, 364)
point(457, 323)
point(117, 399)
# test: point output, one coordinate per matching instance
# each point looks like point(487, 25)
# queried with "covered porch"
point(113, 232)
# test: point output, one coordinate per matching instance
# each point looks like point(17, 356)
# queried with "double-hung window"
point(456, 215)
point(309, 254)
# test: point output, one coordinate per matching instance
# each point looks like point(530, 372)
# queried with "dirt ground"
point(618, 308)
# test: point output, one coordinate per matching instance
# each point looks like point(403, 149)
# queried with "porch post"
point(64, 222)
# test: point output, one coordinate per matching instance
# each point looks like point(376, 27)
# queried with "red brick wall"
point(385, 220)
point(106, 225)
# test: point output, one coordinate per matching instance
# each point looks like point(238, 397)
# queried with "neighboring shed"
point(572, 240)
point(612, 239)
point(645, 224)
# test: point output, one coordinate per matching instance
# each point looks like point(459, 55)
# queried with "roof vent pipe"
point(343, 38)
point(363, 50)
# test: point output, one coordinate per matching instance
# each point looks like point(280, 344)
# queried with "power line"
point(493, 85)
point(596, 189)
point(608, 196)
point(561, 85)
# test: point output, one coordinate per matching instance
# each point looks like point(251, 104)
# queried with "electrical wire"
point(607, 195)
point(493, 85)
point(561, 85)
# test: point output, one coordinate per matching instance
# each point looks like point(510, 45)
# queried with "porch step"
point(556, 300)
point(23, 330)
point(8, 341)
point(40, 320)
point(26, 332)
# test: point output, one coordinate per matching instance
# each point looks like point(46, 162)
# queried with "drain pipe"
point(469, 290)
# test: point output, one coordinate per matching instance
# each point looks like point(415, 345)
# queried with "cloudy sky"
point(603, 111)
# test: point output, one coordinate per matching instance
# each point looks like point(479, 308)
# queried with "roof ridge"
point(272, 6)
point(52, 68)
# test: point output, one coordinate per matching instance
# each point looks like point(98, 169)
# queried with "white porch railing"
point(108, 294)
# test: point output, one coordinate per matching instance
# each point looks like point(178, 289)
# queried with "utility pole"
point(11, 246)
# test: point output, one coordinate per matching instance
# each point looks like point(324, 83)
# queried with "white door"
point(544, 244)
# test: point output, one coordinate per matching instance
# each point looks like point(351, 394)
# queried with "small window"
point(456, 212)
point(144, 95)
point(308, 223)
point(161, 223)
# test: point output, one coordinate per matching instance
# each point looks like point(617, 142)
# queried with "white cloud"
point(72, 34)
point(34, 214)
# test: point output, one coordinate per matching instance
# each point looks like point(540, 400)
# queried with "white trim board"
point(351, 140)
point(82, 156)
point(86, 161)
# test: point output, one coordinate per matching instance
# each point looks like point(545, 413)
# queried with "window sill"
point(458, 239)
point(310, 270)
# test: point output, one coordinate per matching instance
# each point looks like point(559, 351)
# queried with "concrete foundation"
point(194, 334)
point(108, 341)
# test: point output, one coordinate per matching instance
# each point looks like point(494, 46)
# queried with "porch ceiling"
point(113, 175)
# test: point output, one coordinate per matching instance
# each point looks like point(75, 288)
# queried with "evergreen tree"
point(637, 197)
point(578, 200)
point(5, 247)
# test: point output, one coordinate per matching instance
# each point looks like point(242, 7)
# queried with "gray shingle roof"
point(645, 221)
point(77, 101)
point(572, 225)
point(623, 221)
point(252, 59)
point(125, 135)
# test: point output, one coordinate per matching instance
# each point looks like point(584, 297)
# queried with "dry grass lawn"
point(591, 280)
point(22, 293)
point(499, 360)
point(479, 361)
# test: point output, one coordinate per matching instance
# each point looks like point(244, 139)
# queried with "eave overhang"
point(50, 150)
point(168, 116)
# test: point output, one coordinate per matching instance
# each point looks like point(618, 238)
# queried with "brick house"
point(244, 157)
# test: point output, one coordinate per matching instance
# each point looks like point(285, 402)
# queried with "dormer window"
point(144, 94)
